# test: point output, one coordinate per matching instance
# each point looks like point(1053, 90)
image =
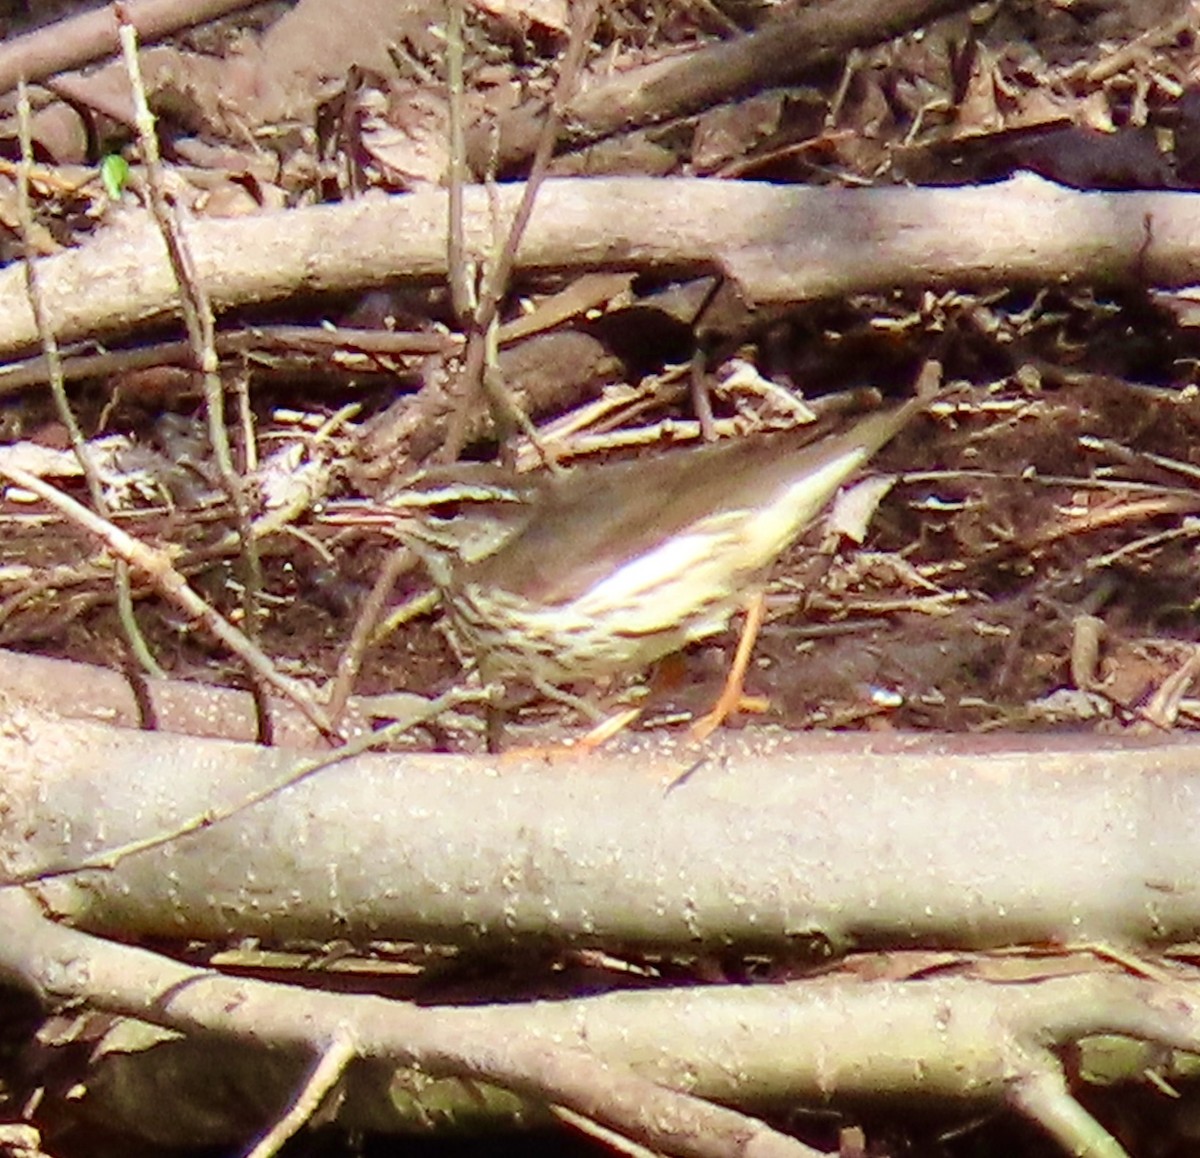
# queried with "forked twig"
point(201, 331)
point(472, 378)
point(172, 586)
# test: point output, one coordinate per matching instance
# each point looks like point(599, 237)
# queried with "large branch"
point(783, 49)
point(67, 966)
point(780, 243)
point(766, 846)
point(941, 1039)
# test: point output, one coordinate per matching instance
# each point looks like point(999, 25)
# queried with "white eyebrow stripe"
point(456, 493)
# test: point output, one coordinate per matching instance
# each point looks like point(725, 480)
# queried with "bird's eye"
point(445, 511)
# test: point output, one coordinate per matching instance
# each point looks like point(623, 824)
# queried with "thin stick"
point(497, 278)
point(108, 859)
point(361, 637)
point(171, 585)
point(138, 646)
point(201, 329)
point(462, 291)
point(332, 1063)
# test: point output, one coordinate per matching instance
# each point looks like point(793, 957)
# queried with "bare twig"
point(811, 34)
point(201, 328)
point(197, 310)
point(171, 585)
point(345, 350)
point(462, 290)
point(109, 858)
point(472, 378)
point(138, 647)
point(334, 1059)
point(142, 984)
point(350, 661)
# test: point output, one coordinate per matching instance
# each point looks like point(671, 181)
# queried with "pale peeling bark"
point(770, 843)
point(959, 1041)
point(781, 243)
point(765, 845)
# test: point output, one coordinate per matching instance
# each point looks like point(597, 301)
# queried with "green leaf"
point(114, 172)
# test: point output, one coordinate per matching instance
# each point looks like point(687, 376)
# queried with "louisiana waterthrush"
point(554, 580)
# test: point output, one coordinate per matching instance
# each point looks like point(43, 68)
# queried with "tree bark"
point(750, 841)
point(780, 243)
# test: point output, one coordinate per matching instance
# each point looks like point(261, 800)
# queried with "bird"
point(556, 580)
